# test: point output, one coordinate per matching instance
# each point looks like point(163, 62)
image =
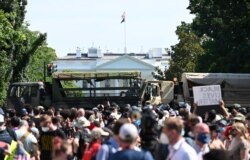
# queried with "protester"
point(216, 154)
point(81, 137)
point(108, 132)
point(62, 149)
point(37, 116)
point(149, 131)
point(128, 135)
point(215, 143)
point(28, 140)
point(112, 145)
point(202, 139)
point(95, 144)
point(240, 145)
point(6, 137)
point(48, 132)
point(179, 149)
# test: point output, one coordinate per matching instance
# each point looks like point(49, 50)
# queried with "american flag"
point(123, 17)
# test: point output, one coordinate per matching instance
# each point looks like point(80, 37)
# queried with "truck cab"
point(21, 93)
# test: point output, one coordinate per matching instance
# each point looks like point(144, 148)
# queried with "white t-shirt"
point(181, 151)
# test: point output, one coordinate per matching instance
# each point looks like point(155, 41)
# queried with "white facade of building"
point(95, 60)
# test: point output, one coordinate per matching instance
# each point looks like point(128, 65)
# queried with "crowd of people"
point(110, 132)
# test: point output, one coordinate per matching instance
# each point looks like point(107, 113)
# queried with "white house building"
point(95, 60)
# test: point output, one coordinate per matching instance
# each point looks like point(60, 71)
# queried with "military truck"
point(235, 88)
point(88, 89)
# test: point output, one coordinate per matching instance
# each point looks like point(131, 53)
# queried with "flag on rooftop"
point(123, 17)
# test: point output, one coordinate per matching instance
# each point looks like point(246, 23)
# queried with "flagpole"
point(125, 38)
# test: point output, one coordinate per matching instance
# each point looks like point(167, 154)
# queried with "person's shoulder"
point(244, 144)
point(60, 133)
point(187, 152)
point(32, 138)
point(138, 154)
point(188, 148)
point(147, 155)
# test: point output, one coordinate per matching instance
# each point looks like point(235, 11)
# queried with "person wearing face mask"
point(202, 139)
point(48, 132)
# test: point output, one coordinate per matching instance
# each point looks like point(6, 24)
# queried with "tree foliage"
point(226, 24)
point(43, 56)
point(18, 44)
point(184, 54)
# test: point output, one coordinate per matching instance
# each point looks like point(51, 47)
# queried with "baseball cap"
point(236, 105)
point(24, 111)
point(222, 122)
point(128, 132)
point(1, 118)
point(239, 117)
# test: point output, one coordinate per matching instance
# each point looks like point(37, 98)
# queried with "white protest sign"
point(207, 95)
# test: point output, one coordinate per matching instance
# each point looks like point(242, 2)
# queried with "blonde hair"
point(240, 127)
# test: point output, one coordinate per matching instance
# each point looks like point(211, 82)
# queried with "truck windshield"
point(23, 91)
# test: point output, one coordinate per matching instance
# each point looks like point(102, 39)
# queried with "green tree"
point(22, 44)
point(184, 54)
point(6, 34)
point(17, 43)
point(35, 69)
point(226, 25)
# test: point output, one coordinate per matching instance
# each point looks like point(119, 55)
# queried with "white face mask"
point(45, 129)
point(164, 139)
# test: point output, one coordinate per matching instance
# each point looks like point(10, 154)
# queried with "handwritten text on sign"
point(207, 95)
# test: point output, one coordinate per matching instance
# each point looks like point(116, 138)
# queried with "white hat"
point(115, 115)
point(82, 122)
point(128, 131)
point(1, 118)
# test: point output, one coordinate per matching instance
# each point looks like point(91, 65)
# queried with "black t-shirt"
point(46, 143)
point(37, 121)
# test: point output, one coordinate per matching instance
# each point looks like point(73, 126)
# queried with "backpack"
point(84, 138)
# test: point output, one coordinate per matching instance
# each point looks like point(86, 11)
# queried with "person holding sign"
point(222, 108)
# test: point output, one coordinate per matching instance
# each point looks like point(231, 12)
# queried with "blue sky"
point(85, 23)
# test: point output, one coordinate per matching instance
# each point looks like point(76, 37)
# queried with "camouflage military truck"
point(88, 89)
